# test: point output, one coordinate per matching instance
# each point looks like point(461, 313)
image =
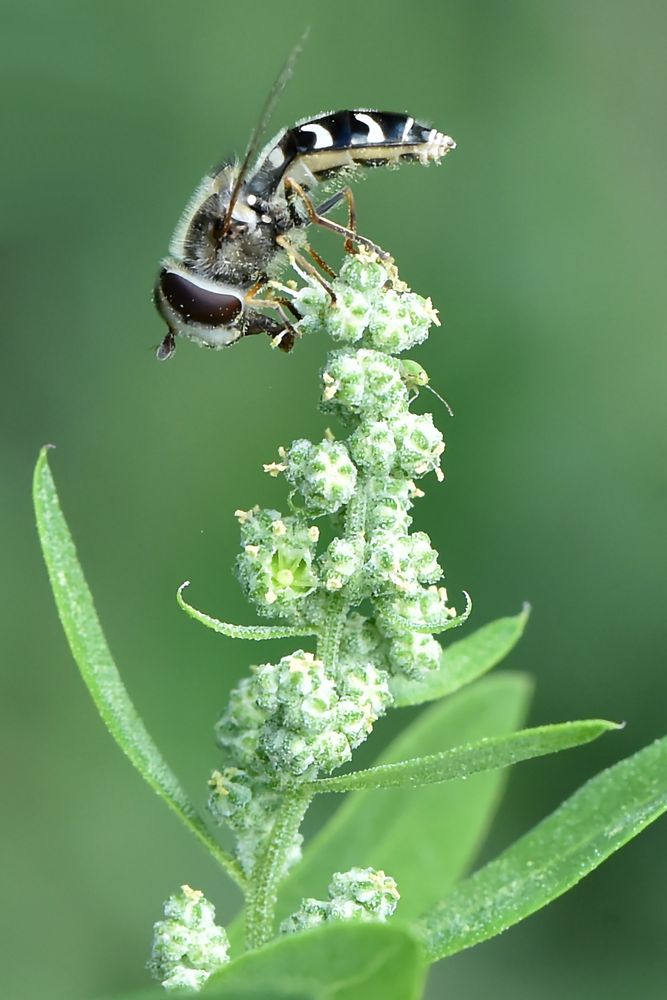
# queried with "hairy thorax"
point(246, 251)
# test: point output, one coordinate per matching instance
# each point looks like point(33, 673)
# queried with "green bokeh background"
point(542, 242)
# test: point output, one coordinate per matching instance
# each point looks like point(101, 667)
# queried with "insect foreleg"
point(283, 334)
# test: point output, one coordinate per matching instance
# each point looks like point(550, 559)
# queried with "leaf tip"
point(180, 600)
point(42, 458)
point(42, 480)
point(607, 726)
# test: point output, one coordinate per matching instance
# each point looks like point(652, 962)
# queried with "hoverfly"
point(244, 220)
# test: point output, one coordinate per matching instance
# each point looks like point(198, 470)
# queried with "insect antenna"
point(262, 123)
point(443, 401)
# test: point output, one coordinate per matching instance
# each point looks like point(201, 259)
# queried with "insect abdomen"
point(315, 149)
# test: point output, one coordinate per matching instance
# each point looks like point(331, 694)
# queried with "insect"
point(244, 220)
point(415, 378)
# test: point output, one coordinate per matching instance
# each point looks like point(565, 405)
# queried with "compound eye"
point(196, 304)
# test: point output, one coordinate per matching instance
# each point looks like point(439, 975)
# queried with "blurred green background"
point(542, 242)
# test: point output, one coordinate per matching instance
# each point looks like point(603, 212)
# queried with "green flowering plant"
point(367, 595)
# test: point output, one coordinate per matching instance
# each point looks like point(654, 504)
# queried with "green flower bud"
point(419, 444)
point(400, 321)
point(323, 473)
point(343, 382)
point(358, 894)
point(372, 446)
point(230, 795)
point(363, 382)
point(424, 558)
point(414, 654)
point(238, 729)
point(400, 562)
point(365, 273)
point(426, 604)
point(298, 691)
point(188, 946)
point(386, 393)
point(361, 641)
point(311, 913)
point(365, 696)
point(349, 314)
point(356, 289)
point(247, 803)
point(373, 894)
point(275, 564)
point(340, 562)
point(390, 501)
point(313, 303)
point(313, 720)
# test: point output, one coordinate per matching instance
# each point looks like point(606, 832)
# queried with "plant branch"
point(270, 867)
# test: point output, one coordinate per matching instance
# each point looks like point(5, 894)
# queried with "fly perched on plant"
point(244, 220)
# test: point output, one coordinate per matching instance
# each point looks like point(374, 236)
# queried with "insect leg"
point(284, 335)
point(330, 203)
point(335, 200)
point(305, 265)
point(320, 262)
point(251, 299)
point(319, 220)
point(351, 217)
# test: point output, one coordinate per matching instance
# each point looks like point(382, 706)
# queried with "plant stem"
point(230, 864)
point(270, 867)
point(355, 515)
point(340, 604)
point(329, 640)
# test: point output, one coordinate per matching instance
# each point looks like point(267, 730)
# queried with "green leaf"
point(462, 662)
point(599, 818)
point(91, 652)
point(338, 961)
point(427, 837)
point(461, 762)
point(253, 632)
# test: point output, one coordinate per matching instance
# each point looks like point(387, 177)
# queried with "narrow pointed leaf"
point(91, 652)
point(463, 661)
point(461, 762)
point(338, 961)
point(605, 813)
point(423, 837)
point(253, 632)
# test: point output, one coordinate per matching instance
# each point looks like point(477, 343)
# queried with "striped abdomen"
point(317, 149)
